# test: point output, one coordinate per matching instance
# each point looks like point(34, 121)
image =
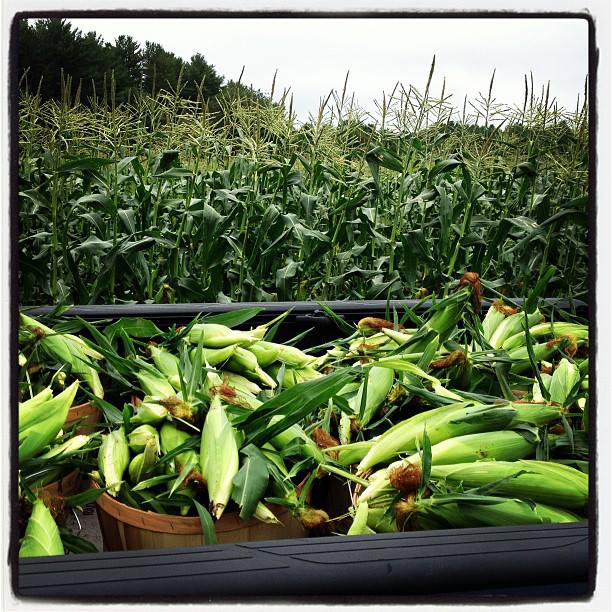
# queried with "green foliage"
point(223, 196)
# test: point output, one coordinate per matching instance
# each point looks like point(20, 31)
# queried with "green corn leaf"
point(425, 462)
point(233, 318)
point(208, 526)
point(250, 482)
point(293, 404)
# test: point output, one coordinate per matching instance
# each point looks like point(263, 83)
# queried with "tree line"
point(49, 49)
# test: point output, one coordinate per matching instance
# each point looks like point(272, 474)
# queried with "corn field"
point(163, 200)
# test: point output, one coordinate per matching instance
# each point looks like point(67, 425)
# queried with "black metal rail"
point(501, 561)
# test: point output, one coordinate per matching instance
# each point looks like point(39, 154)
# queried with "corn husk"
point(219, 461)
point(541, 481)
point(113, 459)
point(42, 536)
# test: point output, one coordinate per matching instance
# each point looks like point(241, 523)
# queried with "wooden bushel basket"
point(127, 528)
point(69, 485)
point(88, 416)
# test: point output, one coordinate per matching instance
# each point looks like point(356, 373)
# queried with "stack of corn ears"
point(68, 350)
point(433, 425)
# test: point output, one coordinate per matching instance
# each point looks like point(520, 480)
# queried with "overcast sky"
point(312, 56)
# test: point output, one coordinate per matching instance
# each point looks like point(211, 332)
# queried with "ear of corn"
point(360, 521)
point(269, 352)
point(295, 376)
point(171, 438)
point(293, 356)
point(504, 445)
point(488, 511)
point(142, 463)
point(293, 433)
point(154, 383)
point(66, 350)
point(578, 334)
point(445, 422)
point(379, 383)
point(69, 447)
point(266, 353)
point(241, 383)
point(379, 521)
point(139, 437)
point(513, 325)
point(42, 537)
point(493, 319)
point(535, 414)
point(560, 328)
point(520, 356)
point(245, 362)
point(369, 326)
point(265, 515)
point(214, 356)
point(541, 481)
point(536, 391)
point(90, 352)
point(29, 411)
point(113, 459)
point(348, 454)
point(168, 364)
point(149, 412)
point(219, 460)
point(344, 429)
point(399, 337)
point(34, 437)
point(565, 377)
point(507, 445)
point(375, 343)
point(218, 336)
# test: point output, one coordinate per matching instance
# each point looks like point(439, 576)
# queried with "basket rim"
point(171, 523)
